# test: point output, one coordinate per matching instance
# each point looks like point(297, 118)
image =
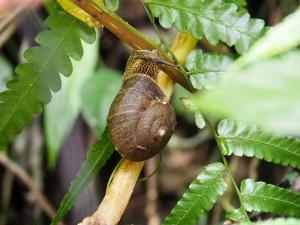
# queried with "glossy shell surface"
point(140, 120)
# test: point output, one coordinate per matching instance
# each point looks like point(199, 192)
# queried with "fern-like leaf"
point(213, 19)
point(241, 139)
point(278, 221)
point(262, 197)
point(96, 158)
point(205, 69)
point(40, 74)
point(203, 192)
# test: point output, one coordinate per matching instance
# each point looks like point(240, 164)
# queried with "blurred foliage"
point(63, 110)
point(268, 93)
point(112, 4)
point(6, 71)
point(97, 94)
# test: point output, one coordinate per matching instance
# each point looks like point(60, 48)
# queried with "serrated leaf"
point(62, 111)
point(41, 73)
point(214, 19)
point(262, 197)
point(96, 158)
point(266, 94)
point(278, 221)
point(278, 39)
point(97, 94)
point(205, 69)
point(241, 139)
point(203, 192)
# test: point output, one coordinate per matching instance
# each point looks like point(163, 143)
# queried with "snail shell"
point(140, 120)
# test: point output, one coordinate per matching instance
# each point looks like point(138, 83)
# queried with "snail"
point(141, 120)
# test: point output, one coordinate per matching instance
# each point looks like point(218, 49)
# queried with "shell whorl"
point(140, 120)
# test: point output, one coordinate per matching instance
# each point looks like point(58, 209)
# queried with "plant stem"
point(128, 34)
point(221, 148)
point(117, 195)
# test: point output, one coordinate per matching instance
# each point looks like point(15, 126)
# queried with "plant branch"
point(117, 195)
point(221, 148)
point(128, 34)
point(26, 179)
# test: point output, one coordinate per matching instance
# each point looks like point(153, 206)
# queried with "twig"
point(6, 33)
point(26, 179)
point(8, 179)
point(124, 179)
point(151, 193)
point(227, 169)
point(128, 34)
point(226, 198)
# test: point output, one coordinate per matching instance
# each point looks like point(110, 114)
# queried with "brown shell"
point(140, 120)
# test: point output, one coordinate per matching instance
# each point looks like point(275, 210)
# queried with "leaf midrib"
point(260, 142)
point(270, 198)
point(215, 180)
point(164, 4)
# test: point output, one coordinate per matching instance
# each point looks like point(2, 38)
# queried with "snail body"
point(141, 120)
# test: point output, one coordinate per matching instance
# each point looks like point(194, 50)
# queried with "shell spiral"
point(140, 120)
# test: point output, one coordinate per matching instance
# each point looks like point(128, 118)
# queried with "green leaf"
point(96, 158)
point(112, 4)
point(241, 139)
point(97, 94)
point(203, 192)
point(62, 111)
point(266, 94)
point(205, 69)
point(239, 3)
point(278, 221)
point(278, 39)
point(41, 73)
point(262, 197)
point(214, 19)
point(237, 215)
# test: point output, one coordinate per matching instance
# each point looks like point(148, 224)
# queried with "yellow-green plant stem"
point(221, 147)
point(128, 34)
point(117, 195)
